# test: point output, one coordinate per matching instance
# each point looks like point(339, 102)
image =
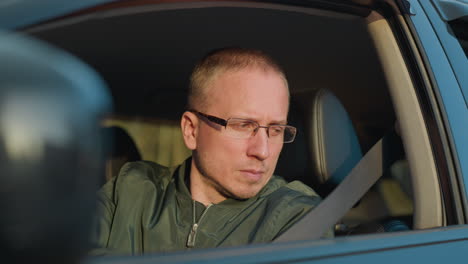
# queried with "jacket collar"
point(181, 176)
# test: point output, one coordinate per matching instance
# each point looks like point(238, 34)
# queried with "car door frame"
point(430, 245)
point(445, 93)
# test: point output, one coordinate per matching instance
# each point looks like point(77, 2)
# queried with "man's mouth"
point(253, 175)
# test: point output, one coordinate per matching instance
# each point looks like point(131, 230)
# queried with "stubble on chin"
point(248, 191)
point(227, 193)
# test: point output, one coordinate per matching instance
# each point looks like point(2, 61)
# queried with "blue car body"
point(446, 66)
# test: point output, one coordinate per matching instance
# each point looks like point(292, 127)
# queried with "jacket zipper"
point(193, 232)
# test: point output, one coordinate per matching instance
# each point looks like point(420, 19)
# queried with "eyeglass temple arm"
point(214, 119)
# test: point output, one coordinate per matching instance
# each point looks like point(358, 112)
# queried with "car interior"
point(349, 83)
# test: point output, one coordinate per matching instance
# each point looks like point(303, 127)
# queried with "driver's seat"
point(334, 144)
point(335, 151)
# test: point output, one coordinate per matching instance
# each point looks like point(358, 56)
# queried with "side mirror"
point(50, 151)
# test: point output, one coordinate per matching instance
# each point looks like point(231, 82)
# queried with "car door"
point(448, 61)
point(427, 94)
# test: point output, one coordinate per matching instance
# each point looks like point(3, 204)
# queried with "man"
point(225, 194)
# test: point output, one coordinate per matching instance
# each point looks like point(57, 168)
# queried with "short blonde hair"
point(223, 60)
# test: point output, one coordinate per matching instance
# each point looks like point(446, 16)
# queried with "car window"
point(148, 76)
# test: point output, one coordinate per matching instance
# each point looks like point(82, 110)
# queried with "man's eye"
point(276, 130)
point(242, 126)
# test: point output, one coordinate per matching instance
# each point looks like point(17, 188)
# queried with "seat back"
point(294, 161)
point(334, 144)
point(326, 147)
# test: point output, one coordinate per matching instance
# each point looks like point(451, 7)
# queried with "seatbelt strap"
point(324, 217)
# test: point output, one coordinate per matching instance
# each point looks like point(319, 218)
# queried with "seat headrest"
point(294, 161)
point(335, 148)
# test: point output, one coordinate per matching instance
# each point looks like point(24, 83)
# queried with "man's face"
point(232, 167)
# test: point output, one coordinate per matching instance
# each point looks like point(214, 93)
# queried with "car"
point(392, 69)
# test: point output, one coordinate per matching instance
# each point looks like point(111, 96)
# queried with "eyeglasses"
point(245, 128)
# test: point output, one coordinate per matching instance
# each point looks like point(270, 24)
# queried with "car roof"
point(21, 13)
point(17, 14)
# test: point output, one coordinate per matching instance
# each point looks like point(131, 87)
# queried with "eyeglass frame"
point(224, 123)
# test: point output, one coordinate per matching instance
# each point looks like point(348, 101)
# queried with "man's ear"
point(189, 126)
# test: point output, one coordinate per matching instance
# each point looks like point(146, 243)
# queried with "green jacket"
point(148, 208)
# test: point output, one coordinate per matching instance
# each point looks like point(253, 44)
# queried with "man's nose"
point(258, 145)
